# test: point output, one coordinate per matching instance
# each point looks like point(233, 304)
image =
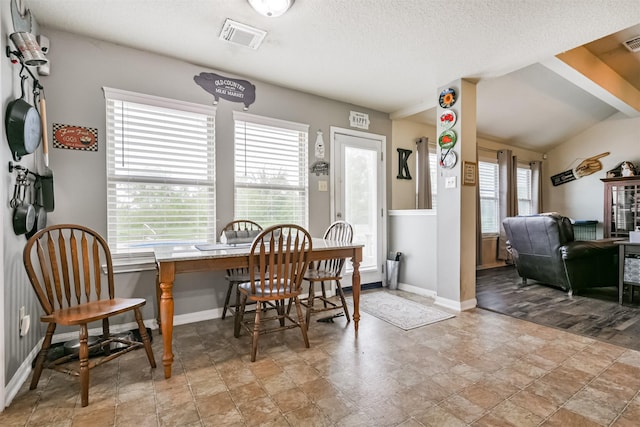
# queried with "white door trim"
point(383, 182)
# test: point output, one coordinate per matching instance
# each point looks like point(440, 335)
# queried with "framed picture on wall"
point(469, 173)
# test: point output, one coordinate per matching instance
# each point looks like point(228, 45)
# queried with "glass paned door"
point(359, 193)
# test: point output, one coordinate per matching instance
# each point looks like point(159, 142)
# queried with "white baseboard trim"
point(198, 316)
point(456, 305)
point(21, 375)
point(417, 290)
point(443, 302)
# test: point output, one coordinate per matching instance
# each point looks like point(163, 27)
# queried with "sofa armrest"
point(590, 264)
point(587, 248)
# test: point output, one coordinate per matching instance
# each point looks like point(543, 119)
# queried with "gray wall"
point(80, 67)
point(414, 232)
point(16, 291)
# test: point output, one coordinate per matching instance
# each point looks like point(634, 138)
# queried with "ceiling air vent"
point(235, 32)
point(633, 44)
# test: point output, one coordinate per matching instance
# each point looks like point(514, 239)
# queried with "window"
point(433, 172)
point(160, 172)
point(271, 170)
point(524, 191)
point(488, 181)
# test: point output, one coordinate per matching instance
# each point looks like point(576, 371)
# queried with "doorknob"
point(339, 215)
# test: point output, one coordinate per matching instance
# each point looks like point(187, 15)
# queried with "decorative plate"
point(447, 139)
point(447, 119)
point(447, 98)
point(449, 160)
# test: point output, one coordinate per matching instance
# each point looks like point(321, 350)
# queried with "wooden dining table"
point(173, 260)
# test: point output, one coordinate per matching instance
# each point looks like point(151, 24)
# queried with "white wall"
point(583, 198)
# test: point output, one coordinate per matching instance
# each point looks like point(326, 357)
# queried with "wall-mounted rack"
point(21, 169)
point(17, 59)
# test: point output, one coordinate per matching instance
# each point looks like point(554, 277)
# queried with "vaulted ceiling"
point(546, 69)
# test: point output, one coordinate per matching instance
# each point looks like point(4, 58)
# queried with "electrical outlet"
point(24, 325)
point(322, 186)
point(24, 322)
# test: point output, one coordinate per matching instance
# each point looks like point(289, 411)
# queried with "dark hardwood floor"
point(594, 313)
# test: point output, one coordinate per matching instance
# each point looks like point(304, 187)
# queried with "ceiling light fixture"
point(271, 8)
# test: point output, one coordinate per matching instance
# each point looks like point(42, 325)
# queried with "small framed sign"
point(358, 120)
point(75, 137)
point(469, 173)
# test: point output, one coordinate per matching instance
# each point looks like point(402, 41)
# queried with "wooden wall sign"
point(75, 137)
point(234, 90)
point(585, 168)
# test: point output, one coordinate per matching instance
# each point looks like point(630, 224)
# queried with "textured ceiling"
point(386, 55)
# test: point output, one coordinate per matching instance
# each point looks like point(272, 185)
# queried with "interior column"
point(456, 219)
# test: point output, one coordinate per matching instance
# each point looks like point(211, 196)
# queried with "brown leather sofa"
point(544, 249)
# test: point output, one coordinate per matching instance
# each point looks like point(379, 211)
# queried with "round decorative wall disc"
point(447, 98)
point(447, 119)
point(449, 160)
point(447, 139)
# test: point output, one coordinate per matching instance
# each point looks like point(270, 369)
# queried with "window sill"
point(490, 235)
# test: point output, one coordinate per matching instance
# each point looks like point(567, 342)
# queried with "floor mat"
point(400, 312)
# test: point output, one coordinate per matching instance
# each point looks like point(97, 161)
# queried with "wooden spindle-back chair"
point(327, 271)
point(64, 264)
point(237, 275)
point(279, 256)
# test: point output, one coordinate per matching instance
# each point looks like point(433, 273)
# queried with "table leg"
point(158, 293)
point(167, 275)
point(355, 286)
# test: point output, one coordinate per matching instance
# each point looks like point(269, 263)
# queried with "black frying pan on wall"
point(23, 126)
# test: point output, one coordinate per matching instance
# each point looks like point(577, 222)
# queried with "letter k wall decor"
point(403, 167)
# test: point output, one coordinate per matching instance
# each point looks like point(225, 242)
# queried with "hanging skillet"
point(22, 122)
point(24, 214)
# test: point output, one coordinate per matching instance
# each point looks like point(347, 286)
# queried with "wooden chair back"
point(64, 264)
point(340, 231)
point(237, 274)
point(241, 225)
point(280, 257)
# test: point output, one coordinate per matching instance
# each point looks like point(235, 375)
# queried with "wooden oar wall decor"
point(585, 168)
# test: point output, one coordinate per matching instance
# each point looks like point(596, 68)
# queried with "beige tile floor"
point(479, 369)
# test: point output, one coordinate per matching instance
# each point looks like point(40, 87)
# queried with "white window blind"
point(488, 181)
point(160, 172)
point(433, 171)
point(271, 170)
point(524, 191)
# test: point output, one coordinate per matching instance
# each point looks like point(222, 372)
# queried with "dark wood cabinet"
point(621, 206)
